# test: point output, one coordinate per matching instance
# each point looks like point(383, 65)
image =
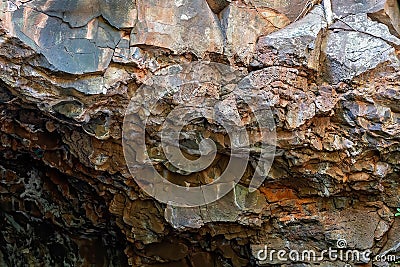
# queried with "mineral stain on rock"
point(68, 70)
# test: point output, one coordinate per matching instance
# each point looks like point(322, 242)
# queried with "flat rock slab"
point(384, 11)
point(232, 207)
point(290, 9)
point(298, 41)
point(72, 50)
point(77, 13)
point(243, 25)
point(361, 45)
point(180, 26)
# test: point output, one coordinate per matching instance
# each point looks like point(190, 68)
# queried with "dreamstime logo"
point(341, 243)
point(341, 253)
point(166, 109)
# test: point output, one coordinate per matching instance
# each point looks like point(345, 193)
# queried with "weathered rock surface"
point(176, 25)
point(243, 25)
point(298, 44)
point(68, 70)
point(80, 50)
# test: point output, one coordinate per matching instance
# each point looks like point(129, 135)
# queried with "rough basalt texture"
point(69, 68)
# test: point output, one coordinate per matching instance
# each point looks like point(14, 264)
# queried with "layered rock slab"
point(335, 174)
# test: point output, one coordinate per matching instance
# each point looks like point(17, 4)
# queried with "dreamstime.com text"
point(340, 253)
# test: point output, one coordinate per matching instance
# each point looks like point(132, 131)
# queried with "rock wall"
point(68, 70)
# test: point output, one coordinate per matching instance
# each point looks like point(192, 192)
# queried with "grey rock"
point(384, 11)
point(119, 13)
point(342, 8)
point(242, 25)
point(235, 206)
point(290, 9)
point(299, 41)
point(81, 50)
point(78, 13)
point(362, 23)
point(387, 12)
point(349, 54)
